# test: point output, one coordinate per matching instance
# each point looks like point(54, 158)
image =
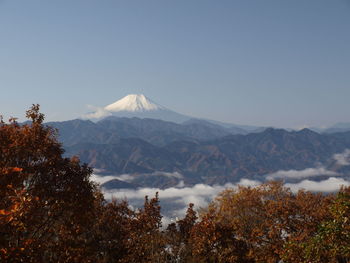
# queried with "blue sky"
point(271, 62)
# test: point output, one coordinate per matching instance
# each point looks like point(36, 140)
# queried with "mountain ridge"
point(217, 161)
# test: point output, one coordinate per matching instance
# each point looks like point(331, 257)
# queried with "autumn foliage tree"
point(121, 234)
point(178, 237)
point(331, 240)
point(146, 240)
point(45, 198)
point(51, 212)
point(214, 241)
point(257, 222)
point(111, 232)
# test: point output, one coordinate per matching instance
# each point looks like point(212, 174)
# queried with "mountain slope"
point(216, 161)
point(338, 127)
point(82, 131)
point(157, 132)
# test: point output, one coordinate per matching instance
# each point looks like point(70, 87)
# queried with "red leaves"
point(45, 199)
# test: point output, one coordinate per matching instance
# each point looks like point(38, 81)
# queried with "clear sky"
point(270, 62)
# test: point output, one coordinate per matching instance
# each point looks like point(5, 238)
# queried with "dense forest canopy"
point(50, 211)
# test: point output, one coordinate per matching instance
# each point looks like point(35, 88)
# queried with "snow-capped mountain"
point(140, 106)
point(136, 105)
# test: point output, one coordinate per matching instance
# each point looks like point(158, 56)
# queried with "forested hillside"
point(201, 152)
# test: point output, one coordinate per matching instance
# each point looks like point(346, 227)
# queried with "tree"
point(260, 221)
point(331, 242)
point(112, 230)
point(214, 241)
point(45, 199)
point(178, 237)
point(146, 242)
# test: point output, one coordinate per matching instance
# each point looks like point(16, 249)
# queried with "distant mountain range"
point(151, 150)
point(339, 127)
point(158, 132)
point(171, 149)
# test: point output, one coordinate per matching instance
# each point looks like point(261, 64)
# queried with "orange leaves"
point(18, 202)
point(17, 169)
point(4, 212)
point(34, 114)
point(9, 170)
point(264, 218)
point(41, 193)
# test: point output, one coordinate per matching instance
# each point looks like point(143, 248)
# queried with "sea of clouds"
point(176, 199)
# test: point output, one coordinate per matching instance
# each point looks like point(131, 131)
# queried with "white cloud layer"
point(299, 174)
point(332, 184)
point(199, 194)
point(97, 113)
point(101, 179)
point(167, 174)
point(343, 158)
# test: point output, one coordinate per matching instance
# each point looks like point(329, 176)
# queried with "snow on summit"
point(133, 103)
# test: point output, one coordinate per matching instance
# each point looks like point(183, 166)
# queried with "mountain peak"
point(136, 105)
point(133, 103)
